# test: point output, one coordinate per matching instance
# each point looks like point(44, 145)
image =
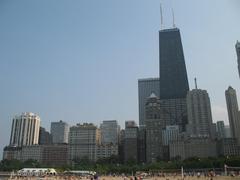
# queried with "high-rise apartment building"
point(173, 78)
point(83, 140)
point(59, 132)
point(221, 129)
point(25, 129)
point(199, 113)
point(238, 55)
point(109, 132)
point(154, 126)
point(145, 88)
point(233, 113)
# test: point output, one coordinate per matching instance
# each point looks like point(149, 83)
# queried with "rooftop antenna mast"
point(173, 16)
point(161, 14)
point(195, 80)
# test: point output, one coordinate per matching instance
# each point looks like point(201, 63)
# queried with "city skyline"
point(40, 82)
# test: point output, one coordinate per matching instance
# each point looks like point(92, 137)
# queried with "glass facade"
point(173, 73)
point(173, 78)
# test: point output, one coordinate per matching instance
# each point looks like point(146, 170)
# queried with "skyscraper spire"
point(195, 80)
point(161, 14)
point(238, 55)
point(173, 16)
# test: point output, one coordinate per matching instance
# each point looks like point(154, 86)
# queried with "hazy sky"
point(79, 60)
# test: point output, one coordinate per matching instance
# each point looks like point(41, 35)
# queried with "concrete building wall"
point(170, 133)
point(83, 141)
point(228, 131)
point(233, 113)
point(221, 129)
point(199, 113)
point(154, 126)
point(193, 147)
point(31, 152)
point(59, 132)
point(54, 155)
point(48, 155)
point(105, 151)
point(145, 88)
point(200, 147)
point(109, 132)
point(228, 147)
point(130, 144)
point(177, 150)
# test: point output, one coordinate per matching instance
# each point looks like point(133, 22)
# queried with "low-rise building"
point(10, 153)
point(228, 147)
point(106, 151)
point(201, 147)
point(48, 155)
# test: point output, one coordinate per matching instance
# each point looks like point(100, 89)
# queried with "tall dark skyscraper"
point(238, 55)
point(173, 73)
point(173, 78)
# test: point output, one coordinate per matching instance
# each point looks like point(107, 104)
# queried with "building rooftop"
point(148, 79)
point(238, 44)
point(169, 30)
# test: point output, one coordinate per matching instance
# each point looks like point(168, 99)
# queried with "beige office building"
point(83, 139)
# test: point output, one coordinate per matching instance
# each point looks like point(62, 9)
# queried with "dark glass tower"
point(173, 79)
point(173, 74)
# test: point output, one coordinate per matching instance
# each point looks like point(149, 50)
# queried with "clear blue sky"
point(79, 60)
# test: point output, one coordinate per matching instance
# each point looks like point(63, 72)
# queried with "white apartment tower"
point(233, 113)
point(25, 129)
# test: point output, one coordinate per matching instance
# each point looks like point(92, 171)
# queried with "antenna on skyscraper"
point(161, 14)
point(195, 80)
point(173, 16)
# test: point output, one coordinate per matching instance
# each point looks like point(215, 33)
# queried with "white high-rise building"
point(59, 132)
point(233, 113)
point(199, 113)
point(109, 132)
point(25, 129)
